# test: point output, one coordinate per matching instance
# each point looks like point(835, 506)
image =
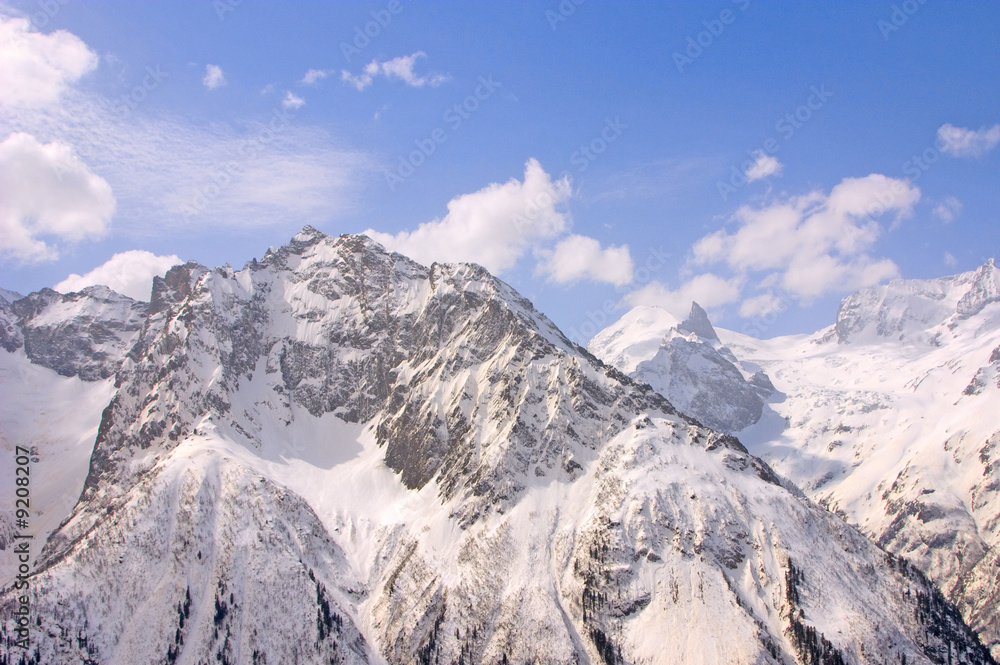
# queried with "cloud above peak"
point(577, 257)
point(129, 273)
point(816, 243)
point(501, 223)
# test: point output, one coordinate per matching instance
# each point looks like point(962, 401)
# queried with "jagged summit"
point(687, 364)
point(697, 322)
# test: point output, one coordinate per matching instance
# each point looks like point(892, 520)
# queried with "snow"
point(57, 417)
point(563, 508)
point(883, 419)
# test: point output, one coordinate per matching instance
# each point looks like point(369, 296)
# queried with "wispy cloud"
point(962, 142)
point(168, 173)
point(313, 76)
point(948, 209)
point(400, 68)
point(655, 179)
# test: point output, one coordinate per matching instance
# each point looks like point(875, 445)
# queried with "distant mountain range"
point(337, 455)
point(889, 417)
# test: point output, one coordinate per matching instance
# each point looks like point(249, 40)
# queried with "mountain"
point(338, 455)
point(688, 365)
point(888, 417)
point(61, 353)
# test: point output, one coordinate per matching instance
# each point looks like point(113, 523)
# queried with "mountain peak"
point(697, 322)
point(911, 308)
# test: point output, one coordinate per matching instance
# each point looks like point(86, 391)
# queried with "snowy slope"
point(56, 377)
point(889, 418)
point(338, 455)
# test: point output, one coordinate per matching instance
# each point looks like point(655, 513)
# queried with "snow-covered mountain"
point(338, 455)
point(56, 377)
point(890, 419)
point(688, 364)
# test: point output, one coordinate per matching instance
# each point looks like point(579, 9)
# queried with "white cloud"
point(948, 209)
point(762, 305)
point(314, 75)
point(292, 101)
point(815, 243)
point(579, 257)
point(47, 194)
point(766, 165)
point(169, 174)
point(962, 142)
point(493, 227)
point(399, 68)
point(708, 290)
point(129, 273)
point(950, 260)
point(213, 77)
point(35, 69)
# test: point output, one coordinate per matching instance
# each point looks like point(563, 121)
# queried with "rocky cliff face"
point(910, 309)
point(83, 334)
point(338, 455)
point(693, 369)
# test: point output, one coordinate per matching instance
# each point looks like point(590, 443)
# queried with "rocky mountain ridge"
point(338, 455)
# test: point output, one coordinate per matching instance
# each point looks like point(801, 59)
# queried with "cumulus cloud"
point(948, 209)
point(815, 243)
point(578, 257)
point(35, 68)
point(400, 68)
point(47, 194)
point(213, 77)
point(292, 101)
point(766, 165)
point(493, 227)
point(707, 289)
point(962, 142)
point(129, 273)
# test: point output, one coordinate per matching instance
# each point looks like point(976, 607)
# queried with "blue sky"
point(763, 158)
